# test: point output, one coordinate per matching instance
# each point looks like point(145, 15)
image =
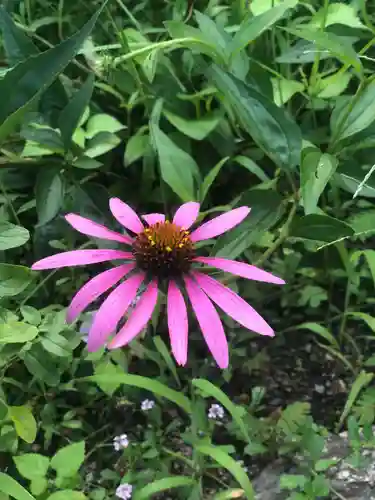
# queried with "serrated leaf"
point(362, 380)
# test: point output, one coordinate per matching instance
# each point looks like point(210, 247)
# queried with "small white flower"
point(147, 404)
point(124, 491)
point(120, 442)
point(216, 412)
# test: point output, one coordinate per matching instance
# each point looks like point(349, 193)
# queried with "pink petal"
point(91, 228)
point(112, 310)
point(220, 224)
point(186, 215)
point(209, 322)
point(240, 269)
point(94, 288)
point(152, 219)
point(139, 317)
point(80, 258)
point(177, 323)
point(233, 304)
point(125, 215)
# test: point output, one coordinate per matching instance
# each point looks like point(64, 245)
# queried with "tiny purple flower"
point(124, 491)
point(216, 412)
point(147, 404)
point(120, 442)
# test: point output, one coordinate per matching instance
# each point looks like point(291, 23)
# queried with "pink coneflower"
point(160, 252)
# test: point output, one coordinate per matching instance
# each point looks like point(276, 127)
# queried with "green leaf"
point(356, 115)
point(349, 176)
point(145, 383)
point(333, 85)
point(38, 485)
point(252, 167)
point(320, 228)
point(13, 279)
point(293, 417)
point(236, 412)
point(232, 466)
point(292, 481)
point(210, 178)
point(136, 148)
point(31, 315)
point(362, 380)
point(24, 422)
point(197, 129)
point(32, 465)
point(270, 127)
point(316, 171)
point(10, 487)
point(252, 27)
point(332, 43)
point(24, 83)
point(15, 332)
point(71, 115)
point(109, 371)
point(369, 255)
point(284, 90)
point(12, 236)
point(101, 143)
point(367, 318)
point(167, 483)
point(102, 123)
point(177, 167)
point(67, 495)
point(265, 212)
point(49, 194)
point(68, 460)
point(320, 330)
point(18, 46)
point(337, 13)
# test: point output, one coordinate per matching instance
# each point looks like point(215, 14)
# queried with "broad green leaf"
point(356, 115)
point(284, 90)
point(166, 483)
point(10, 487)
point(360, 383)
point(15, 332)
point(24, 422)
point(14, 279)
point(49, 193)
point(196, 129)
point(102, 123)
point(136, 148)
point(145, 383)
point(258, 7)
point(320, 228)
point(316, 171)
point(266, 209)
point(337, 13)
point(210, 178)
point(363, 222)
point(292, 481)
point(320, 330)
point(71, 115)
point(32, 465)
point(38, 485)
point(231, 465)
point(177, 167)
point(67, 461)
point(236, 412)
point(101, 143)
point(31, 315)
point(270, 127)
point(330, 42)
point(12, 236)
point(24, 83)
point(109, 370)
point(252, 27)
point(67, 495)
point(333, 85)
